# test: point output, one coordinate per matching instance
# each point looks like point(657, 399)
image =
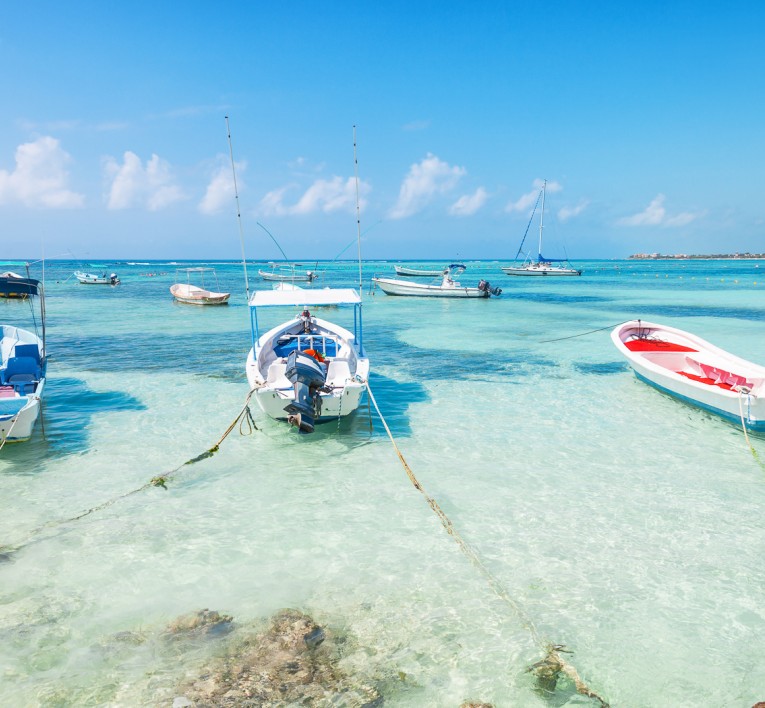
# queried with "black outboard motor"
point(307, 376)
point(485, 286)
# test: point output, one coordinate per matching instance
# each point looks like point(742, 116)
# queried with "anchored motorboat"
point(448, 287)
point(307, 370)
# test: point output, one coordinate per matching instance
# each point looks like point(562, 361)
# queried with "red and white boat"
point(695, 371)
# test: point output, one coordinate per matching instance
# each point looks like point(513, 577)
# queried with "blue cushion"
point(27, 350)
point(21, 368)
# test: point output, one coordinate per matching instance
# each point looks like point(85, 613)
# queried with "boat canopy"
point(326, 296)
point(11, 284)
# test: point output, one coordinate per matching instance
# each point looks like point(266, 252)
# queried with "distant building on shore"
point(685, 256)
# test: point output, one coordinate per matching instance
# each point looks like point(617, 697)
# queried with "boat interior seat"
point(21, 372)
point(338, 372)
point(277, 375)
point(27, 350)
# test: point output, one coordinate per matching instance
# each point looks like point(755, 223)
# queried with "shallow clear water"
point(622, 523)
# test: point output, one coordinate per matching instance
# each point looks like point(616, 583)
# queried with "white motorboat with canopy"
point(194, 294)
point(22, 363)
point(693, 370)
point(448, 287)
point(288, 274)
point(418, 272)
point(539, 265)
point(307, 370)
point(93, 279)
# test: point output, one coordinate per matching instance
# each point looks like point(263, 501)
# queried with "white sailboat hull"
point(537, 271)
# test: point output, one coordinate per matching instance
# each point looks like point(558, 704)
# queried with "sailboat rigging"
point(540, 265)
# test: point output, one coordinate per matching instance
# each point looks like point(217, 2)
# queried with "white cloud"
point(40, 177)
point(469, 204)
point(134, 185)
point(566, 213)
point(324, 195)
point(426, 179)
point(220, 190)
point(528, 200)
point(656, 215)
point(416, 125)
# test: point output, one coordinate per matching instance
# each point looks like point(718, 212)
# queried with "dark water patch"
point(554, 298)
point(602, 368)
point(68, 408)
point(221, 357)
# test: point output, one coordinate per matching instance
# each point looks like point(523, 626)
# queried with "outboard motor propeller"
point(485, 286)
point(307, 376)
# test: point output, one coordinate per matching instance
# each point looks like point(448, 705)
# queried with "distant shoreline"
point(707, 257)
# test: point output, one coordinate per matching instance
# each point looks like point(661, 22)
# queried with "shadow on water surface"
point(220, 357)
point(68, 407)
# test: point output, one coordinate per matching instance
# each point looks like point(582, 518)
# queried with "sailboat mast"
point(238, 213)
point(542, 220)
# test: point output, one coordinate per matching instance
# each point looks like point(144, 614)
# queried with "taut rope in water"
point(592, 331)
point(743, 390)
point(243, 417)
point(547, 670)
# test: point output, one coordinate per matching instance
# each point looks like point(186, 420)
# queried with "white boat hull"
point(391, 286)
point(20, 402)
point(540, 271)
point(193, 295)
point(288, 277)
point(347, 369)
point(694, 371)
point(90, 279)
point(416, 273)
point(18, 426)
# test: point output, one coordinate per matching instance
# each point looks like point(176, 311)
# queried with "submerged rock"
point(293, 661)
point(201, 622)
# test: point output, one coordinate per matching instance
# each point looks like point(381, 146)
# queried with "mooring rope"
point(743, 390)
point(553, 664)
point(592, 331)
point(158, 481)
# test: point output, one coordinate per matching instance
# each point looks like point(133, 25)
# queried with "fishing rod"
point(275, 241)
point(358, 211)
point(238, 212)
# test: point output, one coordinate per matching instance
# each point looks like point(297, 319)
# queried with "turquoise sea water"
point(623, 524)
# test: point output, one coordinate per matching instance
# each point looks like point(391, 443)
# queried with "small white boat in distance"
point(695, 371)
point(447, 288)
point(92, 279)
point(22, 368)
point(307, 370)
point(194, 294)
point(288, 273)
point(417, 273)
point(539, 265)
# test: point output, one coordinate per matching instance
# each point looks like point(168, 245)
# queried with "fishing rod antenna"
point(238, 212)
point(358, 211)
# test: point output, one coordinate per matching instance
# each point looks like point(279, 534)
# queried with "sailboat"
point(540, 266)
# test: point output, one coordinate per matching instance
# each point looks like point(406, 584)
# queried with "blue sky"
point(645, 118)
